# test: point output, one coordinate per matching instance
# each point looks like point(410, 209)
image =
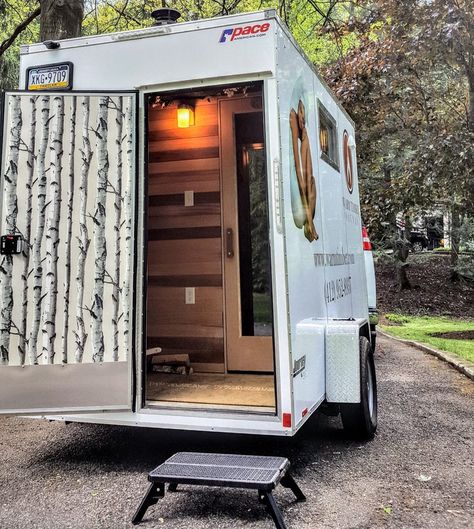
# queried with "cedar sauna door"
point(247, 278)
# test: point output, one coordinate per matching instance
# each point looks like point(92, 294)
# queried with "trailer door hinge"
point(277, 191)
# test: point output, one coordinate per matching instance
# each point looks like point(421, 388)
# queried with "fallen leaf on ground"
point(422, 477)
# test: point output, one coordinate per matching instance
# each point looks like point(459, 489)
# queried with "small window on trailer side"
point(328, 137)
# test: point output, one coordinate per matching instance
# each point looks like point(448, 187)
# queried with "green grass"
point(419, 329)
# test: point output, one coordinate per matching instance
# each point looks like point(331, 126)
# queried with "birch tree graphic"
point(127, 204)
point(100, 244)
point(30, 164)
point(11, 210)
point(40, 223)
point(70, 204)
point(117, 191)
point(52, 233)
point(83, 239)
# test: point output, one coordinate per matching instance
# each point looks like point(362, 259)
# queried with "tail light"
point(365, 239)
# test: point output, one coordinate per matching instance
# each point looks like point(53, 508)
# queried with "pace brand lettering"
point(244, 32)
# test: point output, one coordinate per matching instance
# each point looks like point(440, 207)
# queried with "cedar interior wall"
point(184, 248)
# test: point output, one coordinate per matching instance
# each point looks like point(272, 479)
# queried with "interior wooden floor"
point(212, 389)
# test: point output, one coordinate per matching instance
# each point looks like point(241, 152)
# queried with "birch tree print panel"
point(67, 180)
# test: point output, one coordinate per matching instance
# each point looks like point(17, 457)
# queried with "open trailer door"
point(66, 251)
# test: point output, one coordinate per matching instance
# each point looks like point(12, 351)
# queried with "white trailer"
point(181, 234)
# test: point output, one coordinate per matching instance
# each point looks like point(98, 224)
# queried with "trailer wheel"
point(417, 247)
point(373, 338)
point(360, 420)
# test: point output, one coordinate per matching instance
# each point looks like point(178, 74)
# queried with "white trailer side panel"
point(325, 275)
point(305, 282)
point(352, 217)
point(334, 257)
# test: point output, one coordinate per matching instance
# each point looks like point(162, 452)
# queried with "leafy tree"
point(18, 20)
point(406, 83)
point(404, 69)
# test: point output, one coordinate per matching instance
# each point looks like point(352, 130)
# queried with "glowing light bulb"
point(185, 116)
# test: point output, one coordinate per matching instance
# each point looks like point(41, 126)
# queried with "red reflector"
point(287, 420)
point(304, 412)
point(365, 239)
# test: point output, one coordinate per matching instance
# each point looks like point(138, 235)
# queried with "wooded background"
point(403, 69)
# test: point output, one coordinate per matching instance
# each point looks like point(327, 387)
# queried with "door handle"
point(229, 243)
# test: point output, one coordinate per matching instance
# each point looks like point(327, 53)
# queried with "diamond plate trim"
point(342, 362)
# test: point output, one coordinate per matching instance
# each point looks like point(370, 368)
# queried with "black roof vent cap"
point(165, 15)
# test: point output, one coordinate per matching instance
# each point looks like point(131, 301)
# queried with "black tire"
point(360, 420)
point(417, 247)
point(373, 338)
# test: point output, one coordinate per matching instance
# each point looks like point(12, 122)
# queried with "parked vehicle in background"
point(371, 286)
point(419, 241)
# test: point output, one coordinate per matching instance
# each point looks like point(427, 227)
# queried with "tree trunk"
point(61, 19)
point(41, 207)
point(470, 77)
point(401, 254)
point(11, 207)
point(100, 243)
point(454, 236)
point(27, 235)
point(84, 241)
point(127, 204)
point(402, 266)
point(117, 226)
point(70, 199)
point(52, 233)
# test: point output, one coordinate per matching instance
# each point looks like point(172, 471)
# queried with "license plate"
point(50, 77)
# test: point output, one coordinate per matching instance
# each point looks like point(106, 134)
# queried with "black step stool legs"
point(268, 500)
point(259, 473)
point(266, 497)
point(157, 490)
point(289, 483)
point(154, 493)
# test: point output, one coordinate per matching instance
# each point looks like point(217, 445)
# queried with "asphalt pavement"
point(418, 472)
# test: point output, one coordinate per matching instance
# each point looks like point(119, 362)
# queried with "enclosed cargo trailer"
point(181, 235)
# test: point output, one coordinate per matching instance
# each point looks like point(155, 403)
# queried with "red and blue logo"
point(244, 32)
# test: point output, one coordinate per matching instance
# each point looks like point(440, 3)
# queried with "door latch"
point(11, 244)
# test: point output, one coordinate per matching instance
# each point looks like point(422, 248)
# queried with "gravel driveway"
point(417, 473)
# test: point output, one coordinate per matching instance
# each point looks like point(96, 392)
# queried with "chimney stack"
point(164, 16)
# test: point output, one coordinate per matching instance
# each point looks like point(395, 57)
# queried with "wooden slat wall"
point(185, 247)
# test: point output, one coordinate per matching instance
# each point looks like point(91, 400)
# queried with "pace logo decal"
point(244, 32)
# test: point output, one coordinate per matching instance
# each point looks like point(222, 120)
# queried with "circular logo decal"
point(347, 161)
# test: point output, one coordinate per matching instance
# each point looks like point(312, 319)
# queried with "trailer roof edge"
point(153, 31)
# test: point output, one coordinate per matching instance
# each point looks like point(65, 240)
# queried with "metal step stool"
point(261, 473)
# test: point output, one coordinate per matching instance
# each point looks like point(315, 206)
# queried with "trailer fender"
point(342, 360)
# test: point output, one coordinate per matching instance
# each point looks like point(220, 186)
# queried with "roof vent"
point(164, 16)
